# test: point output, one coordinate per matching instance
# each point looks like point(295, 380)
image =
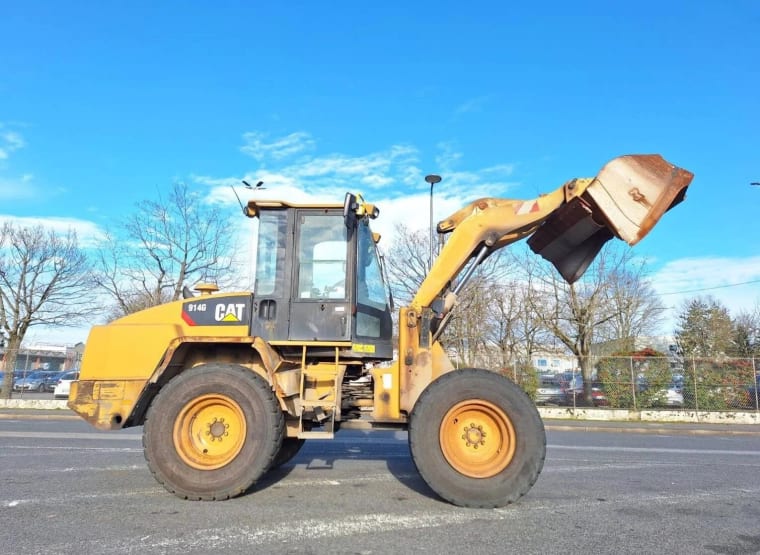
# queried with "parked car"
point(572, 386)
point(597, 395)
point(672, 396)
point(550, 390)
point(34, 381)
point(751, 396)
point(63, 387)
point(51, 380)
point(572, 381)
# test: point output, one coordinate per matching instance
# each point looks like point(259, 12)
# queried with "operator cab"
point(319, 279)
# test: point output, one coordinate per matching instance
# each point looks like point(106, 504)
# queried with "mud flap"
point(625, 200)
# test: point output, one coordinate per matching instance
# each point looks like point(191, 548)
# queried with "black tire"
point(289, 449)
point(189, 447)
point(448, 425)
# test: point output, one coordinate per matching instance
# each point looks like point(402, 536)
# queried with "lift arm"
point(568, 227)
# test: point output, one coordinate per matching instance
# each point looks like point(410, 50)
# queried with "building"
point(46, 357)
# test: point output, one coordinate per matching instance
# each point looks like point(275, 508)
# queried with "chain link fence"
point(703, 384)
point(636, 382)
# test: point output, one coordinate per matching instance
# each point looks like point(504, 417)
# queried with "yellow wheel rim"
point(477, 438)
point(209, 432)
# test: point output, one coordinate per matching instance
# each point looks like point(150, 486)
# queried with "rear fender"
point(115, 404)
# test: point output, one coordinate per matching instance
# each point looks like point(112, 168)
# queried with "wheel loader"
point(229, 385)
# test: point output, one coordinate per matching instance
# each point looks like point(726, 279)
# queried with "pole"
point(432, 179)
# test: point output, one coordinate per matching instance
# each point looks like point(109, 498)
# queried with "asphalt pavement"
point(562, 425)
point(68, 488)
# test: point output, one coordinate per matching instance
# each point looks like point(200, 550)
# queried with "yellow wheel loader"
point(229, 385)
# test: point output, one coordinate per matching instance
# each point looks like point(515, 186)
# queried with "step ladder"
point(327, 405)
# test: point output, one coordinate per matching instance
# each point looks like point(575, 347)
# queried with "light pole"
point(432, 179)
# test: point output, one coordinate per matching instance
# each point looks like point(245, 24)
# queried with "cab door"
point(273, 270)
point(320, 307)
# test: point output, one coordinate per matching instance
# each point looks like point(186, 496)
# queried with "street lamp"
point(432, 179)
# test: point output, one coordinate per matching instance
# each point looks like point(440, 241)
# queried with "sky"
point(105, 104)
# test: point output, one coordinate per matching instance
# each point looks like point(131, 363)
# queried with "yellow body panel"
point(120, 358)
point(133, 347)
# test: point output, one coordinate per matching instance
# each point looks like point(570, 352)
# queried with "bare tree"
point(164, 245)
point(406, 262)
point(468, 330)
point(515, 328)
point(44, 280)
point(613, 296)
point(635, 306)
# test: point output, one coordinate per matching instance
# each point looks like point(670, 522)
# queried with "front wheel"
point(212, 432)
point(477, 439)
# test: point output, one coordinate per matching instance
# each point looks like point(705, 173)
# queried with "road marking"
point(233, 538)
point(68, 499)
point(85, 469)
point(72, 448)
point(342, 445)
point(668, 450)
point(71, 435)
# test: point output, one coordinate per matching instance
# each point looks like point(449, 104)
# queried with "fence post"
point(694, 373)
point(633, 383)
point(755, 384)
point(572, 389)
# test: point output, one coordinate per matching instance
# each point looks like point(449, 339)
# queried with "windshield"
point(371, 300)
point(370, 283)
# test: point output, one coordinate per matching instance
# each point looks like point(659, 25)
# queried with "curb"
point(27, 416)
point(40, 404)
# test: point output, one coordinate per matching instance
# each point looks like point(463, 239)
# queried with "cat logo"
point(232, 312)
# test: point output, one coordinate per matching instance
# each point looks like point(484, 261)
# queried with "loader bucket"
point(625, 200)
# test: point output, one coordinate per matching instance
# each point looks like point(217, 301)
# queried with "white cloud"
point(735, 282)
point(17, 188)
point(390, 178)
point(87, 232)
point(278, 149)
point(471, 105)
point(10, 141)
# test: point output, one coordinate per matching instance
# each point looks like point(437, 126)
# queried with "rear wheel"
point(477, 439)
point(212, 432)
